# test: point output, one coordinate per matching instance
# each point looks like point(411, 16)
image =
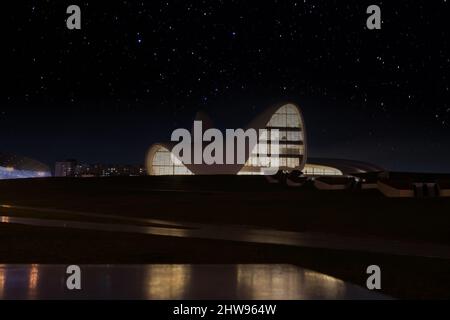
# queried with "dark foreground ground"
point(236, 200)
point(239, 200)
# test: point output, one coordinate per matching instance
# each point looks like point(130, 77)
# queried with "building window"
point(290, 150)
point(162, 164)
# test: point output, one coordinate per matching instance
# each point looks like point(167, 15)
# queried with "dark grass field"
point(247, 200)
point(230, 200)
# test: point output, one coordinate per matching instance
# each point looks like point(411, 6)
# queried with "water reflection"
point(259, 282)
point(2, 280)
point(287, 282)
point(33, 279)
point(19, 281)
point(176, 281)
point(167, 281)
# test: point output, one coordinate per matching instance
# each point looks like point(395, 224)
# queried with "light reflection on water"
point(285, 282)
point(176, 281)
point(167, 281)
point(173, 281)
point(33, 279)
point(2, 280)
point(19, 281)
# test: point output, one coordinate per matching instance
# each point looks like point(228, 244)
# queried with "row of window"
point(291, 162)
point(286, 116)
point(321, 170)
point(284, 135)
point(170, 170)
point(291, 149)
point(163, 164)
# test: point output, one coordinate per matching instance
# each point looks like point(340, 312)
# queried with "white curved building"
point(291, 155)
point(292, 152)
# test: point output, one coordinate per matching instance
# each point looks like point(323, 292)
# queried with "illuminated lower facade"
point(321, 170)
point(162, 163)
point(17, 167)
point(291, 151)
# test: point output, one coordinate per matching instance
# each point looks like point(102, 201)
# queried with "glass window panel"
point(293, 162)
point(291, 109)
point(263, 148)
point(293, 121)
point(275, 148)
point(294, 136)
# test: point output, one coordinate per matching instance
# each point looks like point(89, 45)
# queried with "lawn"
point(243, 200)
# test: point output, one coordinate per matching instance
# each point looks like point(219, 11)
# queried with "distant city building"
point(84, 170)
point(72, 168)
point(14, 167)
point(65, 168)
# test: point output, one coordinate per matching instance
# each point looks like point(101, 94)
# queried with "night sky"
point(139, 69)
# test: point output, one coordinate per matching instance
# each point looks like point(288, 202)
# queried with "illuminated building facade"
point(290, 155)
point(16, 167)
point(291, 151)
